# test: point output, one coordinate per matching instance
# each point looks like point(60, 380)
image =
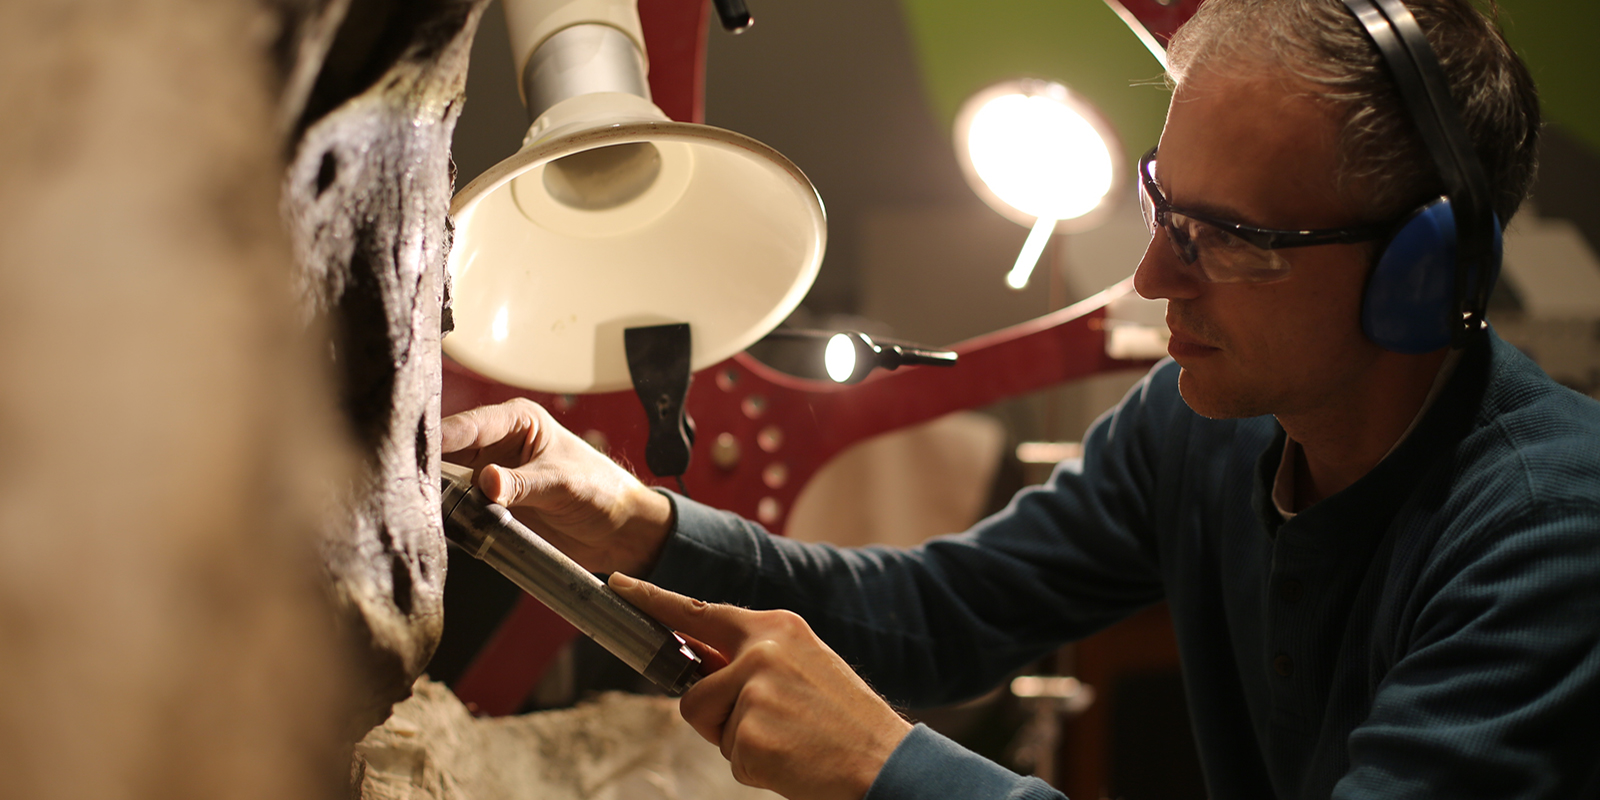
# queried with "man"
point(1383, 569)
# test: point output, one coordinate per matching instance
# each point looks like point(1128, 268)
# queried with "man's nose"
point(1161, 276)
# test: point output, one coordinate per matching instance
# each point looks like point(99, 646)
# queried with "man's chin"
point(1216, 398)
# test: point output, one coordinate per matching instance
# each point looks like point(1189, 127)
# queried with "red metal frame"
point(675, 37)
point(783, 428)
point(1161, 19)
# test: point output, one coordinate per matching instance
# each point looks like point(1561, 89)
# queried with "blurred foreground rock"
point(166, 423)
point(615, 747)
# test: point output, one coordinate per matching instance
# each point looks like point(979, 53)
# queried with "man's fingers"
point(709, 706)
point(489, 425)
point(457, 432)
point(712, 628)
point(714, 624)
point(711, 659)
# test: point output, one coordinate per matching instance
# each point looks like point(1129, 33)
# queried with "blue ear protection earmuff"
point(1431, 283)
point(1410, 305)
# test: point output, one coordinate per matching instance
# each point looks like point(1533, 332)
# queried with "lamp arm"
point(897, 355)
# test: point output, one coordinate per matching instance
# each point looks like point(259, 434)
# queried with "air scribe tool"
point(489, 532)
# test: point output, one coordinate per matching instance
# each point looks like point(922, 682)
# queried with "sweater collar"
point(1377, 495)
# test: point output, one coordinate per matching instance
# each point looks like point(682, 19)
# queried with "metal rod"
point(583, 59)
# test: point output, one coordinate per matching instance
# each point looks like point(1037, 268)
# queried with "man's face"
point(1248, 147)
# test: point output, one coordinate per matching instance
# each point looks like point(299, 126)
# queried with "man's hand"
point(789, 714)
point(578, 499)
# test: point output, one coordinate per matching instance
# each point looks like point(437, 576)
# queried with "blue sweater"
point(1431, 631)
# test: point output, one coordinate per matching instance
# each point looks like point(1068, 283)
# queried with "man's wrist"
point(650, 520)
point(874, 760)
point(927, 764)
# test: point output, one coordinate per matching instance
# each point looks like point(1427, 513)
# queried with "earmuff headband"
point(1422, 87)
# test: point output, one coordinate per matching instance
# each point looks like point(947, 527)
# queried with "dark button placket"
point(1283, 665)
point(1289, 591)
point(1297, 563)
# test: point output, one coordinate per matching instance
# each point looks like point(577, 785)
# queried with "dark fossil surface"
point(371, 93)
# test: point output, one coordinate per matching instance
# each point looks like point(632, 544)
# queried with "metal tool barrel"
point(490, 533)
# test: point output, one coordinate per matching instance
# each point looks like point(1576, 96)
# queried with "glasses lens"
point(1221, 257)
point(1147, 205)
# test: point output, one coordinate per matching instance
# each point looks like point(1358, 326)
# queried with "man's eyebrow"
point(1220, 212)
point(1209, 208)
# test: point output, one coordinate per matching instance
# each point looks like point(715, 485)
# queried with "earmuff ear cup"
point(1410, 301)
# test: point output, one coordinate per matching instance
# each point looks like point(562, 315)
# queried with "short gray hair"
point(1322, 43)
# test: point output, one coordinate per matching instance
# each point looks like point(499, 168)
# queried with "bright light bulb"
point(840, 357)
point(1039, 153)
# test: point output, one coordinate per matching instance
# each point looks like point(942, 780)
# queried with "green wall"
point(1559, 39)
point(964, 45)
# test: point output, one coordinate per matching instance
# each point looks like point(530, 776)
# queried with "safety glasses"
point(1219, 251)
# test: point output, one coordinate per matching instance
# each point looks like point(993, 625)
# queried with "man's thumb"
point(504, 486)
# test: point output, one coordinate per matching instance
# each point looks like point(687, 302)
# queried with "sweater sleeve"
point(947, 620)
point(927, 764)
point(1497, 693)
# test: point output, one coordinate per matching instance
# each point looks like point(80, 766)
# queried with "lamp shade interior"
point(574, 239)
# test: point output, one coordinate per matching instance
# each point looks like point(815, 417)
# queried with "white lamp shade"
point(721, 232)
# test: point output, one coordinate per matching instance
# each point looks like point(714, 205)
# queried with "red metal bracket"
point(1154, 21)
point(780, 430)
